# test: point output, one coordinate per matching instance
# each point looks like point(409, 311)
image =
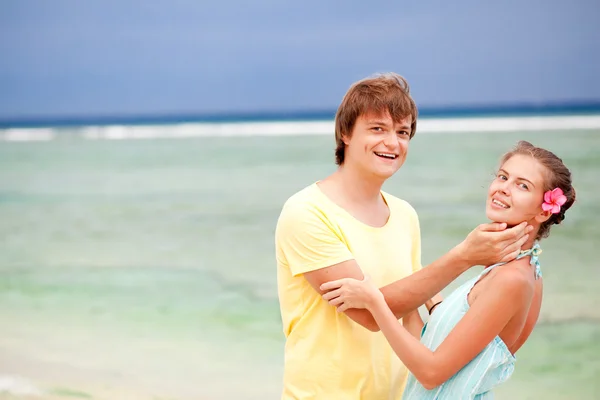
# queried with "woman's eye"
point(502, 177)
point(524, 186)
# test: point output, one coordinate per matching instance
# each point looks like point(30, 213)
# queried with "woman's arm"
point(485, 319)
point(486, 242)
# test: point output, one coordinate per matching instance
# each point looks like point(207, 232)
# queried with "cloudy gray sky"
point(86, 58)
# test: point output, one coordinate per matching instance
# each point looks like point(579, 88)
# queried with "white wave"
point(509, 124)
point(26, 134)
point(17, 386)
point(117, 132)
point(292, 128)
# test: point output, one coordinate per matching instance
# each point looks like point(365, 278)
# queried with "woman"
point(468, 345)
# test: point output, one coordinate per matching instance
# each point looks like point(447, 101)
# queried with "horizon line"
point(491, 110)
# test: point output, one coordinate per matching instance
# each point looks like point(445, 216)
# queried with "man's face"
point(378, 145)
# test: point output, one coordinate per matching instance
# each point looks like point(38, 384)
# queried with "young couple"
point(349, 268)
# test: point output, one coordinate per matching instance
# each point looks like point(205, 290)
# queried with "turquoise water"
point(153, 260)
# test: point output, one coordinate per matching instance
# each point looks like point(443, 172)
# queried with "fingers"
point(493, 227)
point(332, 295)
point(513, 250)
point(522, 241)
point(333, 284)
point(511, 237)
point(511, 255)
point(336, 302)
point(343, 307)
point(518, 231)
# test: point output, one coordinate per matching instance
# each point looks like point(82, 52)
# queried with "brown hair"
point(377, 94)
point(558, 176)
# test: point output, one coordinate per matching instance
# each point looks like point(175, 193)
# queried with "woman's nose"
point(504, 188)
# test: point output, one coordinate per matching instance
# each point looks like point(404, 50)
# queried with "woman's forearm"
point(416, 356)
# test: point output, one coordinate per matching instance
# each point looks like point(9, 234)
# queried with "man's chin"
point(385, 174)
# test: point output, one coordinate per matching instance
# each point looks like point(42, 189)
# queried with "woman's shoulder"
point(516, 275)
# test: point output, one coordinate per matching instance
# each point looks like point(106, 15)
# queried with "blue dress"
point(492, 366)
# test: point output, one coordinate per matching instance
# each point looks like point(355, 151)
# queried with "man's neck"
point(357, 187)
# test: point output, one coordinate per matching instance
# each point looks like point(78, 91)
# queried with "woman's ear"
point(543, 216)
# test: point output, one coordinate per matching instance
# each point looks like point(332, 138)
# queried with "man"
point(346, 226)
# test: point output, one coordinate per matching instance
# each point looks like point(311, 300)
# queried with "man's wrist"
point(458, 258)
point(430, 309)
point(428, 304)
point(434, 300)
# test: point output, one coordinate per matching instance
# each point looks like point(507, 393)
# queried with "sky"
point(73, 58)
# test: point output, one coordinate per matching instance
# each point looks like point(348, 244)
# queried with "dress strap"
point(488, 269)
point(534, 252)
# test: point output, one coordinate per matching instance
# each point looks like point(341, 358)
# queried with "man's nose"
point(390, 140)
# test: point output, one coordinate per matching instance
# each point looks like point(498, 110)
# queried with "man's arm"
point(402, 296)
point(486, 244)
point(433, 302)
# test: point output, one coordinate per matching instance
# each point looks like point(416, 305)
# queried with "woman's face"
point(517, 192)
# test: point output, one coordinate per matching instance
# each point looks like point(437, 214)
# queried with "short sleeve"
point(306, 240)
point(416, 242)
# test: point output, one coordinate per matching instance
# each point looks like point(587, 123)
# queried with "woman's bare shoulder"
point(515, 275)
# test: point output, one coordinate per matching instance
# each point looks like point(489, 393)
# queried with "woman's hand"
point(351, 293)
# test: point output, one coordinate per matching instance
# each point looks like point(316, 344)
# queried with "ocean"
point(137, 261)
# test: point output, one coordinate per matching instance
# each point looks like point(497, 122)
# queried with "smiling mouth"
point(500, 204)
point(388, 156)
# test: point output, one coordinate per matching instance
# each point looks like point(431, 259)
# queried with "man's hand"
point(492, 243)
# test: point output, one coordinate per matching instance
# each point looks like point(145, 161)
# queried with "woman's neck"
point(532, 235)
point(528, 245)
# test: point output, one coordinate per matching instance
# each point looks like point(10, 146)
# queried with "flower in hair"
point(553, 199)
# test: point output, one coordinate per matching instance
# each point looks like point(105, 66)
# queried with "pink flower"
point(553, 199)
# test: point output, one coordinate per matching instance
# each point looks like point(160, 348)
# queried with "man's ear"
point(543, 216)
point(345, 139)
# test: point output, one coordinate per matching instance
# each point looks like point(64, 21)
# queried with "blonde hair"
point(558, 176)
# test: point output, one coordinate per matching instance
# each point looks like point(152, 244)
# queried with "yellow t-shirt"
point(328, 355)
